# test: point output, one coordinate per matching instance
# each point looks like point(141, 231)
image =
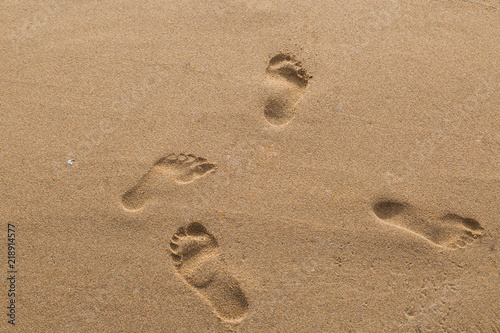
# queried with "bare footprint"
point(179, 169)
point(286, 83)
point(196, 256)
point(449, 231)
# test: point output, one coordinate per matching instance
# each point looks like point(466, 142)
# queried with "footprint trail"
point(179, 169)
point(448, 231)
point(196, 256)
point(286, 83)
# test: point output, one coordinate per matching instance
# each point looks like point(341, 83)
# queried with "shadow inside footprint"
point(388, 209)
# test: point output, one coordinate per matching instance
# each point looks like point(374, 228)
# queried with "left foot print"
point(448, 231)
point(286, 83)
point(180, 169)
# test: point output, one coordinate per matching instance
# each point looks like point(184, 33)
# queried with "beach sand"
point(250, 166)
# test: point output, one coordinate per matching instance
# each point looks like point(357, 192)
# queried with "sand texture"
point(250, 165)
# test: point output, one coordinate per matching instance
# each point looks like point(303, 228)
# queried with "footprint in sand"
point(196, 256)
point(286, 83)
point(448, 231)
point(179, 169)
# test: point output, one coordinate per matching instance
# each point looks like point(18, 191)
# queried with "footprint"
point(449, 231)
point(179, 169)
point(196, 256)
point(286, 83)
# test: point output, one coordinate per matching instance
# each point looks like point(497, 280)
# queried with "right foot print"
point(180, 169)
point(449, 231)
point(195, 254)
point(286, 83)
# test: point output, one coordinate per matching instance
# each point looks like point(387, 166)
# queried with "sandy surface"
point(255, 166)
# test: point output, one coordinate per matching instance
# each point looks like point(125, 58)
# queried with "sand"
point(250, 166)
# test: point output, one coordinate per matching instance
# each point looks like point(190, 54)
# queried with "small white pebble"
point(71, 161)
